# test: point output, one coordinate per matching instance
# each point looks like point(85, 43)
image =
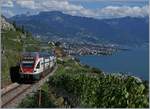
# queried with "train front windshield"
point(27, 64)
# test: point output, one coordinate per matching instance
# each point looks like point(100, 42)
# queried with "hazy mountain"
point(127, 30)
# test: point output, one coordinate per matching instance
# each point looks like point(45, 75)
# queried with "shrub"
point(98, 91)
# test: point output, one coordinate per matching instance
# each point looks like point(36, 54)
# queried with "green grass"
point(11, 40)
point(75, 67)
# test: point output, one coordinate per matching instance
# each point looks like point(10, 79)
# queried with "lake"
point(135, 62)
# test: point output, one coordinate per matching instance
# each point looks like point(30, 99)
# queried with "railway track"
point(13, 96)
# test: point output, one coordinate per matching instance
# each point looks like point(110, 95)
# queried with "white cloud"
point(109, 0)
point(7, 3)
point(31, 4)
point(74, 9)
point(114, 12)
point(123, 11)
point(7, 13)
point(61, 5)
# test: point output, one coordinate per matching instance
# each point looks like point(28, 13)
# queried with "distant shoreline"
point(135, 63)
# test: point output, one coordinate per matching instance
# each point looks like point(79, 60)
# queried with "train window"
point(27, 64)
point(38, 65)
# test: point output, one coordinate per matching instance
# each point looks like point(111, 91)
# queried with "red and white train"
point(34, 64)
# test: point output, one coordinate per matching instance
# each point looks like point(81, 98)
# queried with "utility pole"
point(39, 98)
point(2, 40)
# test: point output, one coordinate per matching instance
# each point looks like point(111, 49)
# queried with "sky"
point(100, 9)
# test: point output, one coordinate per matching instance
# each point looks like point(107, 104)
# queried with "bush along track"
point(82, 86)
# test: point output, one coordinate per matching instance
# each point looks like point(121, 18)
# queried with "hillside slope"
point(13, 40)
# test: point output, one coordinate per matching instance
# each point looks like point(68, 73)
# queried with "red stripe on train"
point(27, 70)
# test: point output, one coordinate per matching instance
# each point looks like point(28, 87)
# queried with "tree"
point(57, 44)
point(14, 24)
point(22, 29)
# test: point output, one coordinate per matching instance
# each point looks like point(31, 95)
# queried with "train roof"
point(39, 54)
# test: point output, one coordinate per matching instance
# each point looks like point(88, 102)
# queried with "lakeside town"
point(88, 49)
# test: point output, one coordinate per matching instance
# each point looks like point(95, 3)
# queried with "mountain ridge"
point(57, 25)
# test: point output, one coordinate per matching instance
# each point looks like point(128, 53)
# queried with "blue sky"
point(87, 8)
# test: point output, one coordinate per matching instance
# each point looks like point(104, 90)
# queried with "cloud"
point(67, 7)
point(109, 0)
point(7, 3)
point(31, 4)
point(63, 5)
point(114, 12)
point(123, 11)
point(7, 13)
